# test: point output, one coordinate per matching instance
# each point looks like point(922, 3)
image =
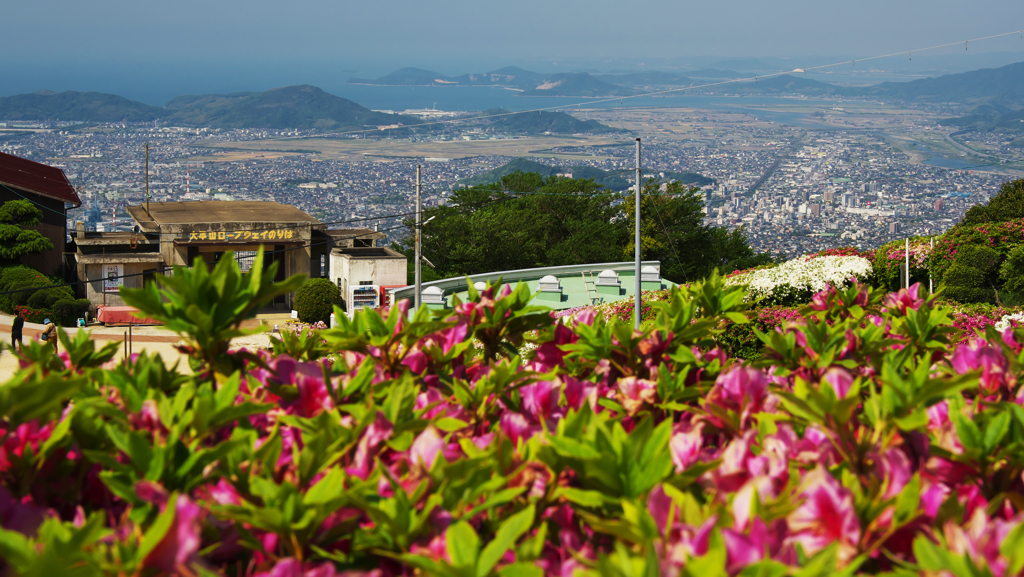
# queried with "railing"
point(456, 284)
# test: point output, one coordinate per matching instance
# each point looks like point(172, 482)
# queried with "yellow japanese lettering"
point(192, 236)
point(202, 236)
point(220, 235)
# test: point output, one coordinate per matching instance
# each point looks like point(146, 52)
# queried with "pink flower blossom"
point(825, 516)
point(180, 544)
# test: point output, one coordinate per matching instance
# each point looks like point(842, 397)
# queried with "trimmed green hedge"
point(315, 300)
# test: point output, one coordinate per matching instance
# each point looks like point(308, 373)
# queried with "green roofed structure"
point(558, 287)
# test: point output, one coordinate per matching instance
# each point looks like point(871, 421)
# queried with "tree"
point(16, 240)
point(315, 300)
point(528, 221)
point(1007, 204)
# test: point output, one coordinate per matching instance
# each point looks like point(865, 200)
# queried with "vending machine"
point(387, 296)
point(363, 297)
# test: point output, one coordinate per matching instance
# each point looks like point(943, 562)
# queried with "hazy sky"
point(59, 44)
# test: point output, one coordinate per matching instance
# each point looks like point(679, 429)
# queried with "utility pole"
point(147, 179)
point(907, 256)
point(636, 243)
point(419, 225)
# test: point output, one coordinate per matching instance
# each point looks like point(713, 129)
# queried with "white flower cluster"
point(1007, 321)
point(801, 275)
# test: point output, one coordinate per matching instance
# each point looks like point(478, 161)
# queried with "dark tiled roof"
point(34, 177)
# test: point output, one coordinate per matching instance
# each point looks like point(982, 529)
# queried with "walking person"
point(50, 333)
point(16, 330)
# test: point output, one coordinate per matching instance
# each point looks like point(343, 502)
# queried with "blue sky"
point(65, 44)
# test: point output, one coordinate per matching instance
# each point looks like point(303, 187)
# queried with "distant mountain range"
point(996, 93)
point(291, 107)
point(77, 107)
point(300, 107)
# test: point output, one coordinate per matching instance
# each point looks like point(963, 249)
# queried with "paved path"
point(152, 339)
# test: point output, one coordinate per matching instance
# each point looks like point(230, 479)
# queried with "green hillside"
point(77, 106)
point(543, 122)
point(299, 107)
point(614, 182)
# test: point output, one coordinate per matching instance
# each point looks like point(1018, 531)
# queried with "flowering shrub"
point(793, 282)
point(840, 251)
point(863, 440)
point(1002, 237)
point(32, 315)
point(890, 257)
point(741, 340)
point(621, 309)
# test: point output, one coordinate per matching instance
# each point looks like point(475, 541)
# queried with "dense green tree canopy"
point(527, 221)
point(16, 240)
point(1007, 204)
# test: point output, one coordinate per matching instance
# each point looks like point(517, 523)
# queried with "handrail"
point(511, 276)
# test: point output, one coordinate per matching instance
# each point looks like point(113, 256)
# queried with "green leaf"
point(521, 569)
point(463, 545)
point(995, 431)
point(157, 530)
point(510, 531)
point(448, 424)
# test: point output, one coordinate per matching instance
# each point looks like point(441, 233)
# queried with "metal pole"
point(636, 243)
point(147, 178)
point(419, 224)
point(907, 255)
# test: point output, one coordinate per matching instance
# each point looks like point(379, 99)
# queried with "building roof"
point(217, 211)
point(37, 178)
point(354, 232)
point(375, 252)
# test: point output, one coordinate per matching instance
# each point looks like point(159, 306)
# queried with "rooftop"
point(217, 211)
point(368, 252)
point(34, 177)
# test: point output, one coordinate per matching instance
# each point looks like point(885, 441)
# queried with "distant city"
point(799, 174)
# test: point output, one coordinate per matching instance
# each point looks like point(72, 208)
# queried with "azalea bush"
point(891, 257)
point(793, 282)
point(862, 440)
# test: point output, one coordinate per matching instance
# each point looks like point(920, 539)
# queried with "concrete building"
point(48, 188)
point(170, 234)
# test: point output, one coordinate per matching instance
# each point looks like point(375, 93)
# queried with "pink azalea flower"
point(825, 516)
point(686, 443)
point(894, 467)
point(180, 545)
point(425, 449)
point(977, 354)
point(822, 300)
point(904, 299)
point(634, 392)
point(839, 379)
point(516, 427)
point(742, 389)
point(292, 567)
point(745, 549)
point(373, 437)
point(224, 493)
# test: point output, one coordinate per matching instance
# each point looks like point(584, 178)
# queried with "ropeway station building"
point(169, 234)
